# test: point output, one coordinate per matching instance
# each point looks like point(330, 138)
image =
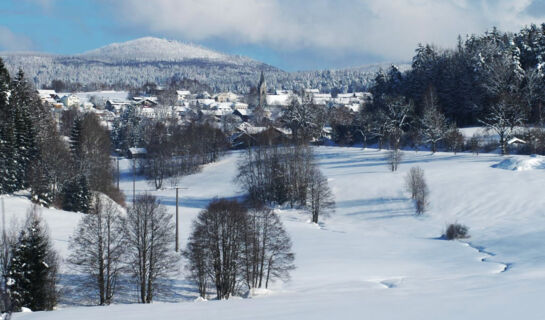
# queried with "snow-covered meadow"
point(373, 258)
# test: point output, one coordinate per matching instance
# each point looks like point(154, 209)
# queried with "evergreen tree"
point(33, 268)
point(25, 135)
point(40, 184)
point(7, 135)
point(76, 138)
point(76, 194)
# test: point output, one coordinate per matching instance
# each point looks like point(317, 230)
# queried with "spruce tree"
point(75, 138)
point(33, 268)
point(76, 194)
point(25, 135)
point(7, 139)
point(40, 184)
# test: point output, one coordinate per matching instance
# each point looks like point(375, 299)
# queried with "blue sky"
point(290, 34)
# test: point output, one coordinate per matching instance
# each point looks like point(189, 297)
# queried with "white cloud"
point(10, 41)
point(390, 29)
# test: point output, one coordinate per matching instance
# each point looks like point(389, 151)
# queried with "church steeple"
point(262, 90)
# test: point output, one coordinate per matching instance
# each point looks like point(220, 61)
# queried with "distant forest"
point(480, 73)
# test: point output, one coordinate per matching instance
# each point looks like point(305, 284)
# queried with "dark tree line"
point(482, 72)
point(494, 80)
point(33, 154)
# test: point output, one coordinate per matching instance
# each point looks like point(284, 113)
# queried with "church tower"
point(262, 91)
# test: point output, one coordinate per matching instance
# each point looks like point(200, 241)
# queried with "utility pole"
point(118, 173)
point(133, 182)
point(177, 219)
point(177, 245)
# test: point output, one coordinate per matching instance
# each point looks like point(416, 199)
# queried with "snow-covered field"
point(373, 259)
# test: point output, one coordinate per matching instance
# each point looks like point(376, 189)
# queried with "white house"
point(226, 97)
point(70, 101)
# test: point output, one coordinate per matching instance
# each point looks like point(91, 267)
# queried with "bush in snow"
point(456, 231)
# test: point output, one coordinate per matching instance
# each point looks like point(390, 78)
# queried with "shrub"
point(456, 231)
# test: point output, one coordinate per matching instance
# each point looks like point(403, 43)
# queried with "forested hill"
point(492, 70)
point(133, 63)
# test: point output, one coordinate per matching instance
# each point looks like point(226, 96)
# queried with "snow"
point(373, 258)
point(101, 95)
point(521, 163)
point(156, 49)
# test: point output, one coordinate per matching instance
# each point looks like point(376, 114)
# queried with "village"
point(240, 116)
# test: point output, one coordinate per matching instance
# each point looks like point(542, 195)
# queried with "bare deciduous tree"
point(267, 249)
point(149, 231)
point(98, 246)
point(217, 238)
point(433, 123)
point(393, 159)
point(231, 248)
point(416, 185)
point(320, 201)
point(503, 119)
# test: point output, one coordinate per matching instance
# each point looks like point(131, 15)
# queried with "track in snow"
point(506, 266)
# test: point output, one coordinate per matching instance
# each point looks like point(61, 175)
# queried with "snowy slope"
point(155, 49)
point(373, 258)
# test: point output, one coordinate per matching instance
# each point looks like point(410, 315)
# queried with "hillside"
point(154, 49)
point(136, 62)
point(373, 258)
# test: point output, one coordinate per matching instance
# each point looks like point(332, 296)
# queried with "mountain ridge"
point(148, 59)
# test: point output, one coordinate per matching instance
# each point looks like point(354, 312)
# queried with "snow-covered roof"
point(138, 150)
point(516, 140)
point(46, 93)
point(279, 99)
point(243, 112)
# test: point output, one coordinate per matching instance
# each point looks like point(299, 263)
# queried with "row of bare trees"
point(174, 150)
point(234, 249)
point(285, 175)
point(109, 243)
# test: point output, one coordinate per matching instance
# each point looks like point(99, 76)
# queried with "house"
point(248, 135)
point(282, 92)
point(283, 100)
point(183, 94)
point(116, 106)
point(226, 97)
point(204, 95)
point(321, 98)
point(223, 108)
point(136, 153)
point(516, 141)
point(145, 101)
point(308, 93)
point(48, 96)
point(243, 114)
point(147, 112)
point(240, 105)
point(70, 101)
